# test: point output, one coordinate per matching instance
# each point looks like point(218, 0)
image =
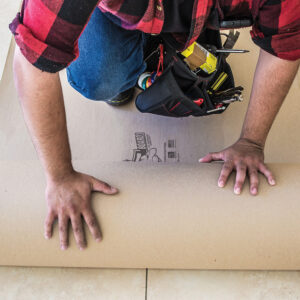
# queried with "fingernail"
point(221, 184)
point(47, 237)
point(82, 247)
point(237, 191)
point(63, 248)
point(272, 182)
point(98, 240)
point(200, 159)
point(254, 191)
point(113, 189)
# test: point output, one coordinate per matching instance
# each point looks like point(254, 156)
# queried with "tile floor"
point(61, 283)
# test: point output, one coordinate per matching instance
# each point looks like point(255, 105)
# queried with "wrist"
point(254, 141)
point(59, 174)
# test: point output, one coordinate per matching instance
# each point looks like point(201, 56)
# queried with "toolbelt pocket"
point(180, 92)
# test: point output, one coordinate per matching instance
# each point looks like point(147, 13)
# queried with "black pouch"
point(179, 92)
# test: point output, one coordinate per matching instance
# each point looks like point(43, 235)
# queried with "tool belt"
point(177, 91)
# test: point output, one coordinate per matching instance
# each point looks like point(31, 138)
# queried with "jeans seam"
point(73, 84)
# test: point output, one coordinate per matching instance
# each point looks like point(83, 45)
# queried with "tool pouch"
point(179, 92)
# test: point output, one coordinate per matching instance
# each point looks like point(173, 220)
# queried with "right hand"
point(70, 199)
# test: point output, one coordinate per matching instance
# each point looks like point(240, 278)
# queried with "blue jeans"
point(110, 59)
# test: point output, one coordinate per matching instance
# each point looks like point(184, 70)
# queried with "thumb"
point(210, 157)
point(103, 187)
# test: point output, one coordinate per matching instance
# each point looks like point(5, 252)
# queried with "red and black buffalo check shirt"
point(47, 31)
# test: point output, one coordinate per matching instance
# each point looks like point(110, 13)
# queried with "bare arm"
point(68, 192)
point(41, 97)
point(272, 81)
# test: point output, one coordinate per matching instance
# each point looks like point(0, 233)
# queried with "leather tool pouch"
point(180, 92)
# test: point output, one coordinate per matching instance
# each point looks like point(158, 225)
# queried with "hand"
point(70, 199)
point(245, 157)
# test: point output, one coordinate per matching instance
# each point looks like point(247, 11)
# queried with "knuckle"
point(268, 172)
point(85, 205)
point(104, 185)
point(92, 222)
point(81, 242)
point(239, 183)
point(72, 209)
point(62, 229)
point(62, 211)
point(48, 223)
point(263, 166)
point(254, 180)
point(222, 177)
point(258, 161)
point(63, 240)
point(242, 168)
point(77, 229)
point(51, 213)
point(227, 167)
point(253, 173)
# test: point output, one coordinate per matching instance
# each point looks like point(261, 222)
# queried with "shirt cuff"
point(43, 56)
point(283, 45)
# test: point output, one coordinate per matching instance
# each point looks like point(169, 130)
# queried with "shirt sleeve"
point(47, 31)
point(277, 29)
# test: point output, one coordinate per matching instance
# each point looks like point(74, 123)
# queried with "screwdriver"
point(214, 49)
point(231, 51)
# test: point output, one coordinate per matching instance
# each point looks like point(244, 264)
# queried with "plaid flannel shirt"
point(47, 31)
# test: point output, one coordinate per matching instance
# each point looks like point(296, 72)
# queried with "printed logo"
point(145, 151)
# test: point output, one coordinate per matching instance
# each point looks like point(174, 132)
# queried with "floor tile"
point(224, 285)
point(61, 283)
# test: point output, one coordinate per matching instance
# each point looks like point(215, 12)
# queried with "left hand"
point(244, 157)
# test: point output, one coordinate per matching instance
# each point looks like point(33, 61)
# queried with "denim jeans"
point(110, 58)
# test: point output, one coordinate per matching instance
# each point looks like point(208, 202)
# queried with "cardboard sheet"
point(165, 216)
point(170, 213)
point(104, 133)
point(8, 10)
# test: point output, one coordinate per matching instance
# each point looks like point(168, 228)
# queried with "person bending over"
point(101, 45)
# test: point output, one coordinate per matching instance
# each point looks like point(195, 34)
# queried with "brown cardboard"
point(170, 213)
point(165, 216)
point(103, 133)
point(8, 10)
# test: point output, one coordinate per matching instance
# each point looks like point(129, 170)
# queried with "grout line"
point(146, 287)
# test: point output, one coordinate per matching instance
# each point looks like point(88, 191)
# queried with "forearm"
point(272, 80)
point(42, 102)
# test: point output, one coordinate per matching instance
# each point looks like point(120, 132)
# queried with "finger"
point(100, 186)
point(78, 231)
point(225, 172)
point(254, 181)
point(268, 174)
point(63, 222)
point(49, 224)
point(210, 157)
point(240, 178)
point(93, 225)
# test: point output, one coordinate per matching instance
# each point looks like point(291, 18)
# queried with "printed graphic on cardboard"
point(145, 151)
